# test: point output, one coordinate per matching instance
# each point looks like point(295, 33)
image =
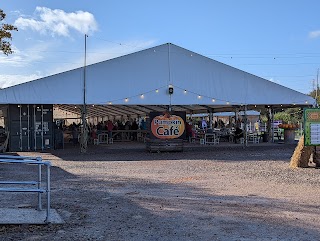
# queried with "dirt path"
point(207, 193)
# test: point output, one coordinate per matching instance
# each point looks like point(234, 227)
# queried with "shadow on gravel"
point(236, 153)
point(138, 209)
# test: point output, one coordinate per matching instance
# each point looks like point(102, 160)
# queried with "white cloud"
point(314, 34)
point(23, 58)
point(58, 22)
point(14, 79)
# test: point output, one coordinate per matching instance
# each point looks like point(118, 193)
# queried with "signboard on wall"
point(167, 125)
point(311, 127)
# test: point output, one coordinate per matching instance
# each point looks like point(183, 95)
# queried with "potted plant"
point(289, 132)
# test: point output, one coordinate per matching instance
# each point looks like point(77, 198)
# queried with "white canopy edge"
point(142, 79)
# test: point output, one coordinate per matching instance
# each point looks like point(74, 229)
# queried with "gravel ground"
point(225, 192)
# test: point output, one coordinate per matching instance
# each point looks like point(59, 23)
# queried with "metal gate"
point(42, 127)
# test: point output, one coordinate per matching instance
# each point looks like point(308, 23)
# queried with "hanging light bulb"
point(213, 100)
point(126, 99)
point(157, 91)
point(199, 96)
point(110, 103)
point(185, 91)
point(228, 102)
point(142, 96)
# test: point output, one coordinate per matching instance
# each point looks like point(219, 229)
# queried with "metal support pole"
point(20, 133)
point(84, 134)
point(28, 127)
point(42, 147)
point(210, 119)
point(39, 185)
point(34, 127)
point(245, 144)
point(317, 87)
point(272, 124)
point(48, 193)
point(169, 81)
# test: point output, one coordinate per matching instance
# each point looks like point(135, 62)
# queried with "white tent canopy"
point(241, 113)
point(138, 83)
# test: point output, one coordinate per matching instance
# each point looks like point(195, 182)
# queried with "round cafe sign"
point(167, 126)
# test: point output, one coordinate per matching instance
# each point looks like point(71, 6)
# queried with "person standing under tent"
point(109, 128)
point(134, 127)
point(189, 130)
point(75, 134)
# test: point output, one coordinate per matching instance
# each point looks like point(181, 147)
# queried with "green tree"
point(313, 95)
point(290, 115)
point(5, 35)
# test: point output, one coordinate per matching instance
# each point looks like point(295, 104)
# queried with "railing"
point(39, 189)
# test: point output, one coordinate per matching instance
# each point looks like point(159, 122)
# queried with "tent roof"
point(139, 82)
point(241, 113)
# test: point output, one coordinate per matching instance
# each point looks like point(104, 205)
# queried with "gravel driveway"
point(225, 192)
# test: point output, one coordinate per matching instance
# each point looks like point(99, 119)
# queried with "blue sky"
point(276, 40)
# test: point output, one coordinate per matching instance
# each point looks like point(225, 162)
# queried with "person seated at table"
point(209, 131)
point(222, 124)
point(238, 134)
point(204, 124)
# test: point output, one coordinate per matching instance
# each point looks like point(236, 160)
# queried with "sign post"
point(311, 127)
point(167, 131)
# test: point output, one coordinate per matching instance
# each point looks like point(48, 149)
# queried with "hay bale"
point(316, 158)
point(301, 155)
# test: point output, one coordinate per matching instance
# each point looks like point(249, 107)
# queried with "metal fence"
point(28, 186)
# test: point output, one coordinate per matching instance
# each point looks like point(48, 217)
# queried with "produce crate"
point(158, 145)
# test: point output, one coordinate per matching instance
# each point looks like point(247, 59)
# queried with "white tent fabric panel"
point(128, 77)
point(204, 77)
point(154, 69)
point(260, 90)
point(214, 80)
point(61, 88)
